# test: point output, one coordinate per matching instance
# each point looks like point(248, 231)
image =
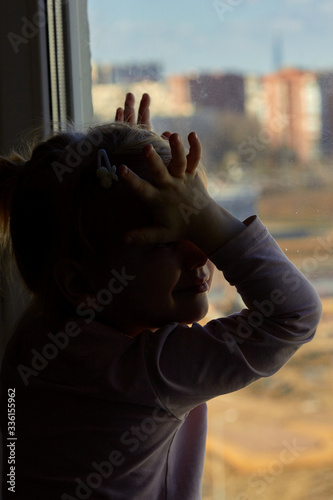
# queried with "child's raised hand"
point(167, 191)
point(179, 202)
point(127, 114)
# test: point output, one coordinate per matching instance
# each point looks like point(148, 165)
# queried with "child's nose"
point(193, 256)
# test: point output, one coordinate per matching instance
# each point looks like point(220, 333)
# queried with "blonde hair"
point(47, 199)
point(52, 199)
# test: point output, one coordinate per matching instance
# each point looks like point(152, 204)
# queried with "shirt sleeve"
point(190, 365)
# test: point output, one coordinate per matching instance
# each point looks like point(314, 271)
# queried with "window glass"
point(254, 79)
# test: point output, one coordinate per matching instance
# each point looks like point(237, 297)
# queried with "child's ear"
point(70, 277)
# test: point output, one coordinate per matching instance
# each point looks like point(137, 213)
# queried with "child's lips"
point(203, 287)
point(198, 286)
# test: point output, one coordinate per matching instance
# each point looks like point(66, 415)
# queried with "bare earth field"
point(274, 439)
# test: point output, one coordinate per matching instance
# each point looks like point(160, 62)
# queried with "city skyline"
point(293, 107)
point(249, 36)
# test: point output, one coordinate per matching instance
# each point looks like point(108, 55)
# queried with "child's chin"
point(196, 315)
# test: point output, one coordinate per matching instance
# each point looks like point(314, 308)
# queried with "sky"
point(193, 36)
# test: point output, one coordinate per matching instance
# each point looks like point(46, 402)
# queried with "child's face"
point(159, 284)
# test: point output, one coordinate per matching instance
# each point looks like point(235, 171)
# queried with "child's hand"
point(179, 201)
point(127, 114)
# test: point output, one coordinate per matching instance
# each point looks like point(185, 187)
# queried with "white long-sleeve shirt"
point(107, 416)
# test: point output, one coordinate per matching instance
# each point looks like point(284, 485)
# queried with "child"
point(107, 379)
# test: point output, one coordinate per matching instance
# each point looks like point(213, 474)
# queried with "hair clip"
point(105, 172)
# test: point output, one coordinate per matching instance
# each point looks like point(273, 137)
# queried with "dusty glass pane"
point(254, 79)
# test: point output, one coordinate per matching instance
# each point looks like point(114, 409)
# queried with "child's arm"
point(189, 366)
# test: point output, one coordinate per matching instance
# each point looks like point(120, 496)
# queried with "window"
point(46, 71)
point(254, 79)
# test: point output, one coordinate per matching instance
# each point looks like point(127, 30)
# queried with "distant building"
point(169, 98)
point(254, 98)
point(127, 73)
point(277, 53)
point(180, 91)
point(326, 90)
point(223, 92)
point(292, 104)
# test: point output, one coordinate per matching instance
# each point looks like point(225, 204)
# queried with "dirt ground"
point(274, 438)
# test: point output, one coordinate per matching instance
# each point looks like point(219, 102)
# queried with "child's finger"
point(156, 166)
point(144, 112)
point(119, 115)
point(129, 112)
point(194, 155)
point(143, 189)
point(177, 165)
